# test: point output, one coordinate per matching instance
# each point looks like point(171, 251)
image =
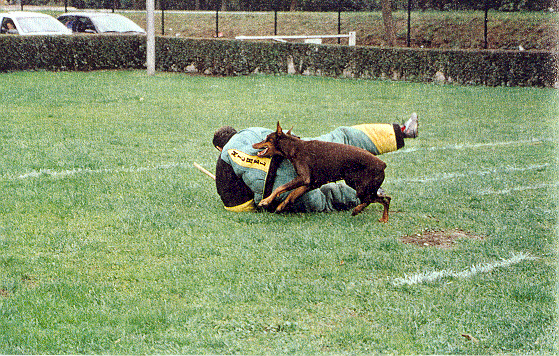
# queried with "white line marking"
point(426, 277)
point(445, 176)
point(517, 189)
point(471, 145)
point(76, 171)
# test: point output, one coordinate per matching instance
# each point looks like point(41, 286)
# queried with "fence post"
point(485, 25)
point(339, 21)
point(409, 24)
point(275, 22)
point(217, 19)
point(162, 4)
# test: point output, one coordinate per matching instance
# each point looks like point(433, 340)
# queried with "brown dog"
point(319, 162)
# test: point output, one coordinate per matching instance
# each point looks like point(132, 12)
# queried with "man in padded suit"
point(243, 179)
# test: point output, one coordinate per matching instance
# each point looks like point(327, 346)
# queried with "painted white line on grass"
point(426, 277)
point(445, 176)
point(518, 189)
point(77, 171)
point(472, 145)
point(439, 177)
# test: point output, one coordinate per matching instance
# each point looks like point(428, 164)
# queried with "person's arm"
point(234, 193)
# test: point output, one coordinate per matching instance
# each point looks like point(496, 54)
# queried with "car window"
point(115, 24)
point(67, 21)
point(39, 24)
point(84, 24)
point(8, 26)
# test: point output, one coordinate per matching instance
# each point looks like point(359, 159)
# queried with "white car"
point(100, 23)
point(31, 23)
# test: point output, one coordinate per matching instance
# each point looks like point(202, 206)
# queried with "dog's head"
point(271, 145)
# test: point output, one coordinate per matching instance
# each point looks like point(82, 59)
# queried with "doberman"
point(319, 162)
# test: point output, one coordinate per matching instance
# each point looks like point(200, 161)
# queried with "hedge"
point(82, 53)
point(230, 57)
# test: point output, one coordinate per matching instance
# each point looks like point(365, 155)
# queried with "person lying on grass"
point(243, 179)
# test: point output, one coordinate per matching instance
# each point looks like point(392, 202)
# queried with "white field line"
point(518, 189)
point(445, 176)
point(78, 171)
point(472, 145)
point(439, 177)
point(426, 277)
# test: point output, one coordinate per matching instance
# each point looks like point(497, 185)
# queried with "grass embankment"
point(430, 29)
point(111, 242)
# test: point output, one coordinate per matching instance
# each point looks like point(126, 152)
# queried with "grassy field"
point(111, 242)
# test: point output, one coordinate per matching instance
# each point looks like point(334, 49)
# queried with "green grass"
point(111, 242)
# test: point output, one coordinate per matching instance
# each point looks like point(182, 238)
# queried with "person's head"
point(222, 136)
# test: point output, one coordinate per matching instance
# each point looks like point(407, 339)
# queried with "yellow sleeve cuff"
point(248, 206)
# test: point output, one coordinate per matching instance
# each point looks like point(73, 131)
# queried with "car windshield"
point(115, 24)
point(40, 24)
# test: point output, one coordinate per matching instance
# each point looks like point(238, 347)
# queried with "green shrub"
point(229, 57)
point(71, 52)
point(219, 57)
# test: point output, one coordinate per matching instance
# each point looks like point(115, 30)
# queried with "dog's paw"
point(264, 203)
point(356, 210)
point(281, 207)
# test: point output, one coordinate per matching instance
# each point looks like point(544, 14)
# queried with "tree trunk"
point(293, 5)
point(388, 22)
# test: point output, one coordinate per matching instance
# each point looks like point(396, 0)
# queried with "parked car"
point(100, 23)
point(31, 23)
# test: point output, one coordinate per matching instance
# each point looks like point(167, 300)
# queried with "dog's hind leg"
point(368, 194)
point(385, 201)
point(359, 208)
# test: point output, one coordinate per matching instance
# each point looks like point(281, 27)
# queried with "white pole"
point(150, 45)
point(352, 39)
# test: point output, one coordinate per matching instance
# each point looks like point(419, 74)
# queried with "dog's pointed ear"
point(278, 129)
point(289, 132)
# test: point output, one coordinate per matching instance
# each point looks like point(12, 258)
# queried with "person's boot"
point(410, 127)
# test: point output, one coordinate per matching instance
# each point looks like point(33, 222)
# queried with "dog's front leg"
point(296, 193)
point(295, 183)
point(271, 197)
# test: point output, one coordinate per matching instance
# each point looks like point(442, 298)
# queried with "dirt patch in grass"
point(439, 238)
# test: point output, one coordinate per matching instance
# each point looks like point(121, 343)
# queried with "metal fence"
point(218, 13)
